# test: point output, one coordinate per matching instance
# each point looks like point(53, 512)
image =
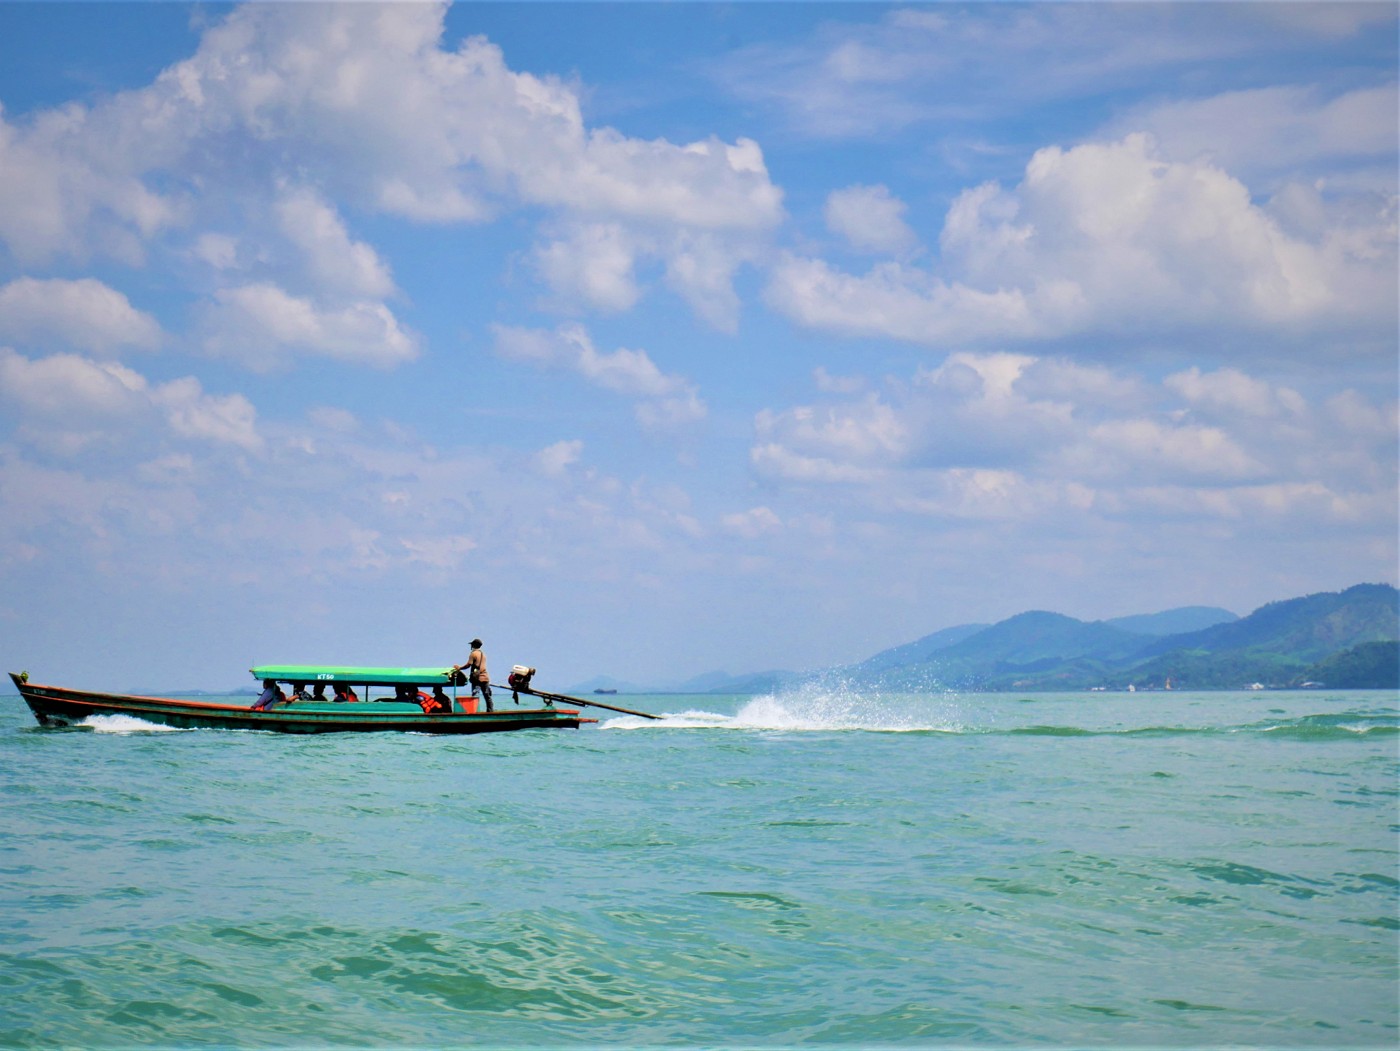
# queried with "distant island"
point(1342, 640)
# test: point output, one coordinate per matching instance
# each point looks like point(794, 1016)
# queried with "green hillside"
point(920, 650)
point(1307, 629)
point(1370, 666)
point(1283, 643)
point(1343, 640)
point(1174, 621)
point(1030, 637)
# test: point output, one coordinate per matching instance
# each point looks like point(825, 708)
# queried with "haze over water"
point(829, 867)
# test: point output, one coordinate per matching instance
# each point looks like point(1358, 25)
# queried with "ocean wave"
point(804, 711)
point(1309, 728)
point(1331, 727)
point(125, 724)
point(825, 711)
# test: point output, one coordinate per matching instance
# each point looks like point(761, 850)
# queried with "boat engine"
point(519, 679)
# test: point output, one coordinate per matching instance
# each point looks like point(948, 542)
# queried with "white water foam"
point(814, 708)
point(125, 724)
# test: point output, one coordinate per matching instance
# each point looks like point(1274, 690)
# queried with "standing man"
point(477, 674)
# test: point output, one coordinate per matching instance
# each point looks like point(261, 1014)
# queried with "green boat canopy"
point(313, 673)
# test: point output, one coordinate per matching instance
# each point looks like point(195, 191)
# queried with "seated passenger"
point(272, 693)
point(437, 704)
point(318, 694)
point(344, 693)
point(299, 692)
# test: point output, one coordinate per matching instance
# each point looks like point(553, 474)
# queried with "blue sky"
point(653, 339)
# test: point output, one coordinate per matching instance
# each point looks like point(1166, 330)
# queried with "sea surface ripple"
point(827, 866)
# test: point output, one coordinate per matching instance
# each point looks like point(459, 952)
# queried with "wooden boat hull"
point(60, 706)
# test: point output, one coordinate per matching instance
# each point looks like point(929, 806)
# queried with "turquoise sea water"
point(824, 867)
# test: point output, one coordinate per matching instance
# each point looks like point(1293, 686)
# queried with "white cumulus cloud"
point(870, 218)
point(286, 115)
point(592, 263)
point(335, 261)
point(1104, 237)
point(753, 523)
point(996, 432)
point(1274, 132)
point(67, 401)
point(84, 314)
point(664, 399)
point(555, 460)
point(264, 326)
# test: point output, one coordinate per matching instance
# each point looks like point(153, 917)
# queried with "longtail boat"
point(406, 710)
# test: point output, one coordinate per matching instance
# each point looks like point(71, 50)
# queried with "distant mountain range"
point(1345, 639)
